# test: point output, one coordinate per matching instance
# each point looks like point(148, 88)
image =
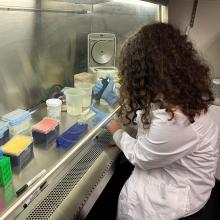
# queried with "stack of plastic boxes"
point(20, 150)
point(45, 131)
point(18, 120)
point(72, 135)
point(4, 133)
point(5, 169)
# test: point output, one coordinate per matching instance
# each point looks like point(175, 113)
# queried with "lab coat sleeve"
point(162, 145)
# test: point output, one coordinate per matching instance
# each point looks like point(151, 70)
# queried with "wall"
point(206, 31)
point(44, 42)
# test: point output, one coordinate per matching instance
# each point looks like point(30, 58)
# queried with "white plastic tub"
point(74, 101)
point(54, 108)
point(87, 88)
point(17, 129)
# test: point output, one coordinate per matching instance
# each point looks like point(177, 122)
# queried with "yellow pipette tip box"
point(20, 150)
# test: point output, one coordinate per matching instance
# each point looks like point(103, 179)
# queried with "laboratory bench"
point(74, 177)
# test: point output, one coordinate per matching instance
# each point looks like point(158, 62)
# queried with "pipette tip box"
point(5, 171)
point(45, 131)
point(20, 150)
point(71, 136)
point(18, 120)
point(4, 132)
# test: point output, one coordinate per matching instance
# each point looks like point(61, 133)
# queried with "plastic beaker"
point(74, 101)
point(54, 108)
point(87, 88)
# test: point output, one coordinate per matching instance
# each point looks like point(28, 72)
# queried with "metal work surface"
point(44, 158)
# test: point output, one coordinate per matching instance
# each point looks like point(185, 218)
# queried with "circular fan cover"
point(102, 51)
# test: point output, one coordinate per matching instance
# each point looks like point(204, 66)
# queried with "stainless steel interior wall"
point(205, 33)
point(44, 42)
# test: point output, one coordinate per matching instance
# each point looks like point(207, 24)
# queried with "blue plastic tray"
point(64, 143)
point(72, 135)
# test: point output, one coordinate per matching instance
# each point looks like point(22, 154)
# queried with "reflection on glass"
point(7, 195)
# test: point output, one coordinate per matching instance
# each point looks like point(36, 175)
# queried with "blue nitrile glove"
point(99, 116)
point(108, 95)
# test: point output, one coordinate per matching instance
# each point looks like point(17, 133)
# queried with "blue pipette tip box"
point(71, 136)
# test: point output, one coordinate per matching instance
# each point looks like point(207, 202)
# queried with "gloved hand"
point(108, 95)
point(99, 116)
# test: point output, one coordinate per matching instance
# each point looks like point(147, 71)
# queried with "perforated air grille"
point(48, 206)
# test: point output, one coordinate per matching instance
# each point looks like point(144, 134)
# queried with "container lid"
point(77, 128)
point(46, 125)
point(16, 117)
point(54, 102)
point(71, 136)
point(65, 143)
point(17, 145)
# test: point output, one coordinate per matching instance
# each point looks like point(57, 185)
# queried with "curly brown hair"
point(158, 65)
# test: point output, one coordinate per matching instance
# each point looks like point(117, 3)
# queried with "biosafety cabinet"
point(45, 47)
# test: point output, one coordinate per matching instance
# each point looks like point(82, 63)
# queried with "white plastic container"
point(74, 101)
point(18, 121)
point(87, 88)
point(54, 108)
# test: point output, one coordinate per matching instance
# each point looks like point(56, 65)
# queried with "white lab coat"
point(175, 163)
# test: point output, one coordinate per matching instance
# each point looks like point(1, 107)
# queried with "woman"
point(166, 92)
